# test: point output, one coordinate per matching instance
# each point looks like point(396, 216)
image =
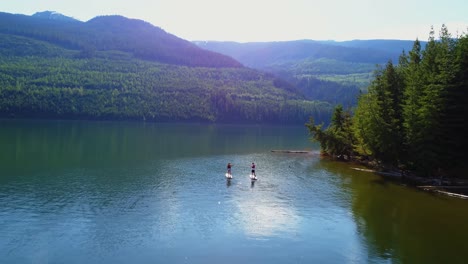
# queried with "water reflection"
point(401, 225)
point(410, 227)
point(265, 208)
point(262, 220)
point(41, 145)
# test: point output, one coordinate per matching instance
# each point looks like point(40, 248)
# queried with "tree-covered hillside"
point(393, 46)
point(320, 70)
point(45, 71)
point(137, 37)
point(264, 55)
point(414, 115)
point(323, 70)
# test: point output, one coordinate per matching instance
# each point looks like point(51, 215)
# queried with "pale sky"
point(271, 20)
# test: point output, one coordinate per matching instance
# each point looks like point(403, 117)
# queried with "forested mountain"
point(326, 57)
point(323, 70)
point(392, 46)
point(141, 39)
point(118, 68)
point(264, 55)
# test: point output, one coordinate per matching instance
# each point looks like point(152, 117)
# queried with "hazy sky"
point(270, 20)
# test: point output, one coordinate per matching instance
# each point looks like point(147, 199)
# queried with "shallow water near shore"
point(119, 192)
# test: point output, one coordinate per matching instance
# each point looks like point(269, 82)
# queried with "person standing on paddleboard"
point(229, 166)
point(253, 170)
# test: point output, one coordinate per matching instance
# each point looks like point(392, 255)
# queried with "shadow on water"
point(400, 224)
point(382, 182)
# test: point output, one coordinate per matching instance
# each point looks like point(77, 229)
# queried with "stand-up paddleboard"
point(253, 177)
point(228, 176)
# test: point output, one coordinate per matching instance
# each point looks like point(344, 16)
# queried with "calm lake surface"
point(110, 192)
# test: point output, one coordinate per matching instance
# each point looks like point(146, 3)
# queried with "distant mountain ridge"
point(138, 37)
point(331, 71)
point(52, 15)
point(392, 46)
point(266, 54)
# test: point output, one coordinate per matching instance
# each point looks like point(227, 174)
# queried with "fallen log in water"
point(291, 151)
point(392, 174)
point(436, 189)
point(366, 170)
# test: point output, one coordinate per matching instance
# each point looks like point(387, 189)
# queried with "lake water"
point(110, 192)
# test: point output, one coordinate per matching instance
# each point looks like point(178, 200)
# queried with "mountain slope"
point(392, 46)
point(52, 15)
point(267, 54)
point(140, 38)
point(322, 70)
point(43, 77)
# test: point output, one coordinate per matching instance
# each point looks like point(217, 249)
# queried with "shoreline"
point(452, 187)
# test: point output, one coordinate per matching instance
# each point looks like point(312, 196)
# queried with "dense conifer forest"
point(414, 114)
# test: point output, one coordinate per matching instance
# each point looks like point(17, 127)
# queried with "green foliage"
point(331, 92)
point(114, 85)
point(360, 80)
point(455, 125)
point(382, 130)
point(337, 140)
point(365, 126)
point(322, 90)
point(410, 119)
point(323, 66)
point(414, 114)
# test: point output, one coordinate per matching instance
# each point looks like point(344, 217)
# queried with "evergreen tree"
point(383, 113)
point(455, 123)
point(338, 139)
point(437, 71)
point(365, 122)
point(412, 101)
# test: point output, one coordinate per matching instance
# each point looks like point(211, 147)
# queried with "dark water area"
point(118, 192)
